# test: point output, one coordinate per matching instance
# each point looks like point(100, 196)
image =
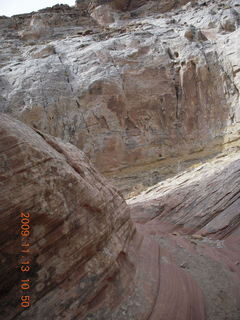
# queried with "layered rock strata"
point(205, 200)
point(80, 228)
point(148, 87)
point(86, 260)
point(178, 261)
point(196, 217)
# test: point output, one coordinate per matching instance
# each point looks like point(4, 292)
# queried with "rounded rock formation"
point(79, 228)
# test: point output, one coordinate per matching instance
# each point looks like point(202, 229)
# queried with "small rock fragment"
point(184, 265)
point(197, 236)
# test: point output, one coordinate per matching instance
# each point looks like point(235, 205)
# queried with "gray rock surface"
point(149, 86)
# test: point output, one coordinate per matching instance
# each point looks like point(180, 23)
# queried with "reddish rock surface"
point(204, 200)
point(80, 228)
point(87, 261)
point(196, 217)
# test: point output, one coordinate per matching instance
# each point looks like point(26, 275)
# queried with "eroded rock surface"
point(196, 216)
point(80, 228)
point(153, 85)
point(203, 200)
point(87, 260)
point(147, 89)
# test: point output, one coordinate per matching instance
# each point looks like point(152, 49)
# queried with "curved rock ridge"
point(87, 261)
point(196, 217)
point(129, 88)
point(80, 228)
point(204, 200)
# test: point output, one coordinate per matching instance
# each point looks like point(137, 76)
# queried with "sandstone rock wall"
point(152, 86)
point(146, 89)
point(195, 215)
point(79, 228)
point(204, 200)
point(86, 259)
point(89, 261)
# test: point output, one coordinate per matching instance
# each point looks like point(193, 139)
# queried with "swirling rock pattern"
point(80, 227)
point(196, 215)
point(179, 260)
point(87, 261)
point(147, 89)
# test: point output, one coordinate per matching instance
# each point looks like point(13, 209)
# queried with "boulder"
point(104, 15)
point(37, 29)
point(230, 20)
point(79, 228)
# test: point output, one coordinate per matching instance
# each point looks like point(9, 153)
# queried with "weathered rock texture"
point(205, 200)
point(87, 261)
point(196, 216)
point(80, 228)
point(151, 86)
point(123, 5)
point(146, 89)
